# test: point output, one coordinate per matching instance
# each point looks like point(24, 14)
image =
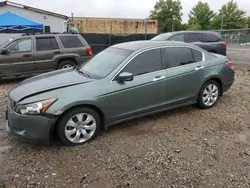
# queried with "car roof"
point(48, 34)
point(190, 31)
point(137, 45)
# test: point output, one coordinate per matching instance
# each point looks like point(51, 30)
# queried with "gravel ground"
point(186, 147)
point(239, 54)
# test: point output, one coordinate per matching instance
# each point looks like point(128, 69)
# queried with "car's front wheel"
point(78, 126)
point(209, 95)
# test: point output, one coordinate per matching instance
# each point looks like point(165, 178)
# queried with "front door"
point(146, 93)
point(18, 58)
point(184, 70)
point(46, 51)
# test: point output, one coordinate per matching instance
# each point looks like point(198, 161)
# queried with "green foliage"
point(233, 17)
point(200, 16)
point(248, 21)
point(168, 13)
point(194, 26)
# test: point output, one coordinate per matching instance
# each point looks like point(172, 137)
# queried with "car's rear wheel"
point(78, 126)
point(66, 64)
point(209, 95)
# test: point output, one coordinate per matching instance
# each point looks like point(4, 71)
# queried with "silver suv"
point(31, 54)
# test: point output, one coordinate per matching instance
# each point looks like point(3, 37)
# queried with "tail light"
point(224, 44)
point(229, 64)
point(89, 52)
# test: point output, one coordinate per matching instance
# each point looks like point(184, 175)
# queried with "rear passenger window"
point(212, 38)
point(194, 37)
point(178, 56)
point(71, 42)
point(197, 55)
point(146, 62)
point(46, 43)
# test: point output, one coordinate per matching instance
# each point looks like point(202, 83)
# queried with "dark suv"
point(30, 54)
point(208, 40)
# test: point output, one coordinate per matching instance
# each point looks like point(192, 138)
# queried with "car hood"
point(46, 82)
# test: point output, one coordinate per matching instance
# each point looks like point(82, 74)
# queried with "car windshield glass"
point(105, 62)
point(5, 42)
point(164, 36)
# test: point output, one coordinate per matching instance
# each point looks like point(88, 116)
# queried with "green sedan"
point(123, 82)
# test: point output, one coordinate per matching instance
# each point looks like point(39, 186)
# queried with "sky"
point(118, 8)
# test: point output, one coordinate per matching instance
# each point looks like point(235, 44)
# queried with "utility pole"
point(173, 25)
point(222, 21)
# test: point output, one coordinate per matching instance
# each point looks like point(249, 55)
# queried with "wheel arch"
point(218, 80)
point(60, 60)
point(102, 115)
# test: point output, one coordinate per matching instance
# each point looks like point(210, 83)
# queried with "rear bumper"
point(226, 87)
point(35, 129)
point(228, 82)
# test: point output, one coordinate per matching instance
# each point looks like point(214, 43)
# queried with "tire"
point(209, 95)
point(66, 64)
point(79, 132)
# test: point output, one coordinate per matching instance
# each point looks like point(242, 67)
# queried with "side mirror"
point(125, 76)
point(4, 52)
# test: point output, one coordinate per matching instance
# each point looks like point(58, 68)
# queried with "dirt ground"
point(186, 147)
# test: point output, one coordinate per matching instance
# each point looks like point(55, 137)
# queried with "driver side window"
point(179, 37)
point(21, 45)
point(146, 62)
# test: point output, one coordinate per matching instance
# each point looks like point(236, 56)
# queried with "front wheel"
point(209, 95)
point(78, 126)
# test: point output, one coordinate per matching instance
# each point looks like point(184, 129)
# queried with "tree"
point(201, 15)
point(229, 17)
point(248, 21)
point(194, 26)
point(168, 13)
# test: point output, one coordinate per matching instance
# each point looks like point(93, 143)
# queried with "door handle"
point(158, 78)
point(56, 52)
point(199, 68)
point(27, 55)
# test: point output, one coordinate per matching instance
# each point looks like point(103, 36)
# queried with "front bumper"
point(33, 128)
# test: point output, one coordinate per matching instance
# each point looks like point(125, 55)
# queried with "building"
point(52, 22)
point(115, 25)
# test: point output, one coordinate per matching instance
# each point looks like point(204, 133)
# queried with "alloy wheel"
point(80, 128)
point(210, 95)
point(67, 66)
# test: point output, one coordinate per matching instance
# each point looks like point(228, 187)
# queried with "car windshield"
point(160, 37)
point(1, 44)
point(5, 42)
point(105, 62)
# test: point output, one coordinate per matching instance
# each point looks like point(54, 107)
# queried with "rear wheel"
point(66, 64)
point(209, 95)
point(78, 126)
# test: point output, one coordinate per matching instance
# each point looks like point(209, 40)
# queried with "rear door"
point(184, 73)
point(19, 58)
point(46, 51)
point(194, 38)
point(74, 45)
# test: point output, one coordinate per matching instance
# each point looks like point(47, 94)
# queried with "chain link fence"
point(236, 36)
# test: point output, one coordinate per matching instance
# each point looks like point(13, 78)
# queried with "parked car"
point(125, 81)
point(208, 40)
point(30, 54)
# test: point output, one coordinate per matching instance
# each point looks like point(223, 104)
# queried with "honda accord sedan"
point(123, 82)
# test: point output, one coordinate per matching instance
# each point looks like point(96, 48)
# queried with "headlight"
point(35, 108)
